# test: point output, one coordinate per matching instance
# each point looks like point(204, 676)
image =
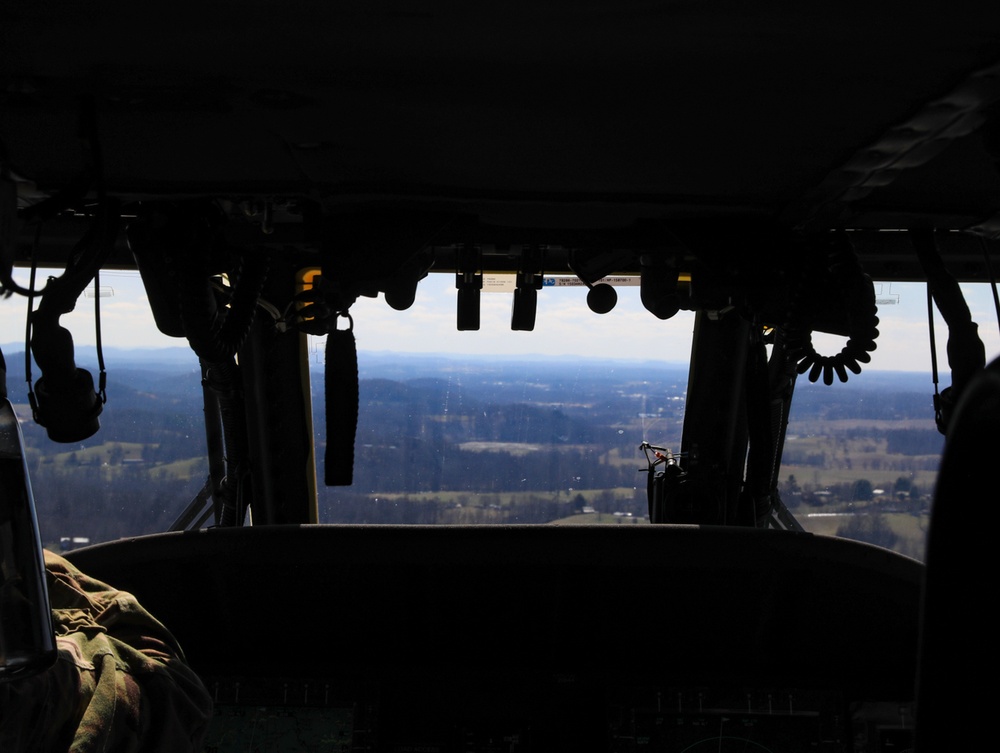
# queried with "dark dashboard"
point(621, 638)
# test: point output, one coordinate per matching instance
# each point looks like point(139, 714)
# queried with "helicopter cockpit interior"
point(265, 166)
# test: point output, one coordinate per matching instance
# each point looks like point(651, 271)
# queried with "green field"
point(113, 460)
point(839, 459)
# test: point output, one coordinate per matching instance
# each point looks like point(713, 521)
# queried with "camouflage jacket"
point(120, 682)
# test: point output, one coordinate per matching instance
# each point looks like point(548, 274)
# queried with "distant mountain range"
point(435, 426)
point(395, 365)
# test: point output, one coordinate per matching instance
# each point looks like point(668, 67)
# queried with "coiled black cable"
point(217, 334)
point(844, 272)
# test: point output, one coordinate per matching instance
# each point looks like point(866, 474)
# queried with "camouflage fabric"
point(120, 683)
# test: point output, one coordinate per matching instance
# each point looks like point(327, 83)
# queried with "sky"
point(565, 326)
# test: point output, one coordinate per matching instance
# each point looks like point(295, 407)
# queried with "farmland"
point(484, 445)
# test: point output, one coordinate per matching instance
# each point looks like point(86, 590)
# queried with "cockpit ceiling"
point(585, 113)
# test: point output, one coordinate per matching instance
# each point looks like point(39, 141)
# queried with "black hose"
point(215, 334)
point(223, 379)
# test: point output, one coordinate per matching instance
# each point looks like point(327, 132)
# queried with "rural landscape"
point(442, 440)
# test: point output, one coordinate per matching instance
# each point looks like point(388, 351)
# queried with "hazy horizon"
point(565, 327)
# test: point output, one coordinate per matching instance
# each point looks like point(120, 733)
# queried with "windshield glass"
point(496, 426)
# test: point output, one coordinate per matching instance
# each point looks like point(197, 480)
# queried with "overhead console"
point(625, 639)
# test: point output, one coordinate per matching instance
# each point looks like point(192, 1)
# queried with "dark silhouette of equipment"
point(27, 644)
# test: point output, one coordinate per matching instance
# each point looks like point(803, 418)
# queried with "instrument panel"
point(557, 713)
point(655, 639)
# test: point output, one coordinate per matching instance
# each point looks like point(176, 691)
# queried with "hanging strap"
point(755, 502)
point(966, 354)
point(32, 400)
point(102, 380)
point(938, 410)
point(341, 405)
point(993, 277)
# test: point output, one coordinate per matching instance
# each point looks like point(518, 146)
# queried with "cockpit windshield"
point(498, 426)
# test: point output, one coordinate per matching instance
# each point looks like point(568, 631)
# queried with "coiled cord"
point(845, 272)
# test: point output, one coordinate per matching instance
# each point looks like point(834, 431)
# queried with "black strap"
point(341, 406)
point(938, 414)
point(102, 385)
point(32, 401)
point(755, 505)
point(993, 277)
point(966, 355)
